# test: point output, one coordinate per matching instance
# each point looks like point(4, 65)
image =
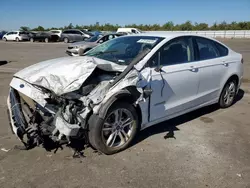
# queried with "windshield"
point(94, 38)
point(123, 50)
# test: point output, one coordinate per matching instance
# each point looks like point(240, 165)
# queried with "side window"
point(207, 48)
point(78, 32)
point(133, 31)
point(10, 33)
point(14, 33)
point(176, 51)
point(66, 32)
point(222, 50)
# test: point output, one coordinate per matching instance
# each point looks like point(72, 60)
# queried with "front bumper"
point(72, 52)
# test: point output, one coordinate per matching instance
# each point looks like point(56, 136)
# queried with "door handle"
point(193, 69)
point(225, 63)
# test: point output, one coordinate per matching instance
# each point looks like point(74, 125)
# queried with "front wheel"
point(17, 39)
point(228, 94)
point(117, 131)
point(65, 40)
point(5, 39)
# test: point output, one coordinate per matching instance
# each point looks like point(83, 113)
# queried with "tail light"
point(242, 60)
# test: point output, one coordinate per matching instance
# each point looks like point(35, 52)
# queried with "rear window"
point(222, 50)
point(207, 48)
point(55, 31)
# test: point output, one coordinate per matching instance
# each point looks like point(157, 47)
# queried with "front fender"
point(105, 106)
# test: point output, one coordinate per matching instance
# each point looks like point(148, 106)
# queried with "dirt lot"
point(206, 148)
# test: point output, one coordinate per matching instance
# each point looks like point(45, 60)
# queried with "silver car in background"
point(79, 48)
point(74, 35)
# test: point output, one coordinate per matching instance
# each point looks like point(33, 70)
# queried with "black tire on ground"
point(225, 92)
point(66, 40)
point(5, 39)
point(17, 39)
point(96, 138)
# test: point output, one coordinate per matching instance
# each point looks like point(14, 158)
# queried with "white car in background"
point(16, 36)
point(120, 87)
point(57, 32)
point(129, 30)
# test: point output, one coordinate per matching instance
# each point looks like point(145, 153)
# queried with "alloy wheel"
point(118, 127)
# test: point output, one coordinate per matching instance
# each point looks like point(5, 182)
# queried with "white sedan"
point(120, 87)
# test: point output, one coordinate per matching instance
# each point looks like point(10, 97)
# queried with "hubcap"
point(118, 127)
point(230, 93)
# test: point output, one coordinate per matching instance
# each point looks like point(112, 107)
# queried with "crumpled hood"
point(63, 75)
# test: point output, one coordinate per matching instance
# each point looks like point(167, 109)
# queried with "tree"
point(187, 26)
point(24, 28)
point(169, 26)
point(39, 28)
point(200, 26)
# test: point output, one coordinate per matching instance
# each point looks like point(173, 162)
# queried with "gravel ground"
point(206, 148)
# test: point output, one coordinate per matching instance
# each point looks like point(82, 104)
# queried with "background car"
point(2, 33)
point(16, 36)
point(84, 46)
point(74, 35)
point(57, 32)
point(43, 37)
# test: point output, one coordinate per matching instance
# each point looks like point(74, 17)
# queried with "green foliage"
point(168, 26)
point(39, 28)
point(24, 28)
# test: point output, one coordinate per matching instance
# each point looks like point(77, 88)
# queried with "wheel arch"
point(232, 77)
point(129, 94)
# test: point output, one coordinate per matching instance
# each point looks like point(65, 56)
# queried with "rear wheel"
point(17, 39)
point(66, 40)
point(117, 131)
point(228, 94)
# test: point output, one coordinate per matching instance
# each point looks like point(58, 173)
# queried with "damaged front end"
point(40, 116)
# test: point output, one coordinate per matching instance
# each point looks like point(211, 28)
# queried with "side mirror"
point(158, 68)
point(147, 92)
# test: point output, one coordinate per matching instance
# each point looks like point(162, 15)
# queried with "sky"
point(58, 13)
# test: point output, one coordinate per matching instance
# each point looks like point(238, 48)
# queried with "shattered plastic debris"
point(239, 175)
point(5, 150)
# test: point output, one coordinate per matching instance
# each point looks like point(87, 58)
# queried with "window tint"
point(179, 50)
point(133, 31)
point(14, 33)
point(207, 48)
point(222, 50)
point(66, 32)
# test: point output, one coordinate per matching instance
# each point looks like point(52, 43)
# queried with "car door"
point(175, 79)
point(212, 66)
point(11, 36)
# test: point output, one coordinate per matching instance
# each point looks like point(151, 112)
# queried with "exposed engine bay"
point(40, 116)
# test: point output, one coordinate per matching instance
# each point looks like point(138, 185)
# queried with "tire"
point(5, 39)
point(46, 40)
point(66, 40)
point(31, 39)
point(228, 94)
point(113, 139)
point(17, 39)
